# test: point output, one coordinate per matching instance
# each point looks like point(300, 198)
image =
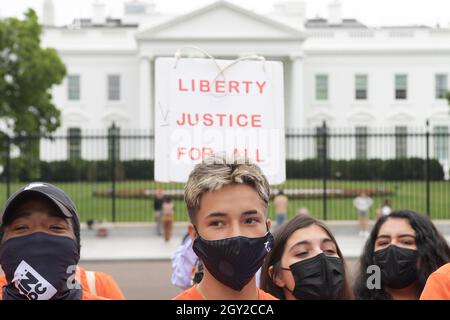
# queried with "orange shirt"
point(85, 296)
point(438, 285)
point(193, 294)
point(106, 287)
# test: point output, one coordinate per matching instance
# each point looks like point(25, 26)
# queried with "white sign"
point(200, 111)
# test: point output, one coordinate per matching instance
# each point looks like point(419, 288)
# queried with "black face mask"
point(318, 278)
point(398, 266)
point(37, 265)
point(233, 261)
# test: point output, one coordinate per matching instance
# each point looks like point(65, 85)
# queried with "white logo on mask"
point(266, 244)
point(31, 284)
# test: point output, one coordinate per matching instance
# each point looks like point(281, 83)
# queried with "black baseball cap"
point(47, 190)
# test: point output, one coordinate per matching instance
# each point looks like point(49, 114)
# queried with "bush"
point(138, 169)
point(372, 169)
point(84, 170)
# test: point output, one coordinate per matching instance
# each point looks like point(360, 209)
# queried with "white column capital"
point(296, 56)
point(146, 57)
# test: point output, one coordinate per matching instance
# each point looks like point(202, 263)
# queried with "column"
point(145, 94)
point(296, 110)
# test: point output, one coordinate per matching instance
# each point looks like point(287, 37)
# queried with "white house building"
point(336, 70)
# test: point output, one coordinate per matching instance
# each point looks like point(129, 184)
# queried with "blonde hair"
point(218, 171)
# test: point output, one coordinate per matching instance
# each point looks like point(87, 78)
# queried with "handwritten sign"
point(200, 110)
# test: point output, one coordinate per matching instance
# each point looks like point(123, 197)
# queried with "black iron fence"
point(109, 174)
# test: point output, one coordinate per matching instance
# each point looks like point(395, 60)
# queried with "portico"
point(231, 32)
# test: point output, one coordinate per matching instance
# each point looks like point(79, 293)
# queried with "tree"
point(27, 74)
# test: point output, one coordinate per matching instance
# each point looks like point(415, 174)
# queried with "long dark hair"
point(433, 252)
point(281, 236)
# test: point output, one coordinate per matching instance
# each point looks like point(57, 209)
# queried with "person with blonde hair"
point(227, 201)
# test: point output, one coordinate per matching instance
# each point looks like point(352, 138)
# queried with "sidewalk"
point(138, 241)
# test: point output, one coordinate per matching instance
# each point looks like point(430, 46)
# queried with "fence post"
point(325, 167)
point(113, 172)
point(427, 169)
point(8, 166)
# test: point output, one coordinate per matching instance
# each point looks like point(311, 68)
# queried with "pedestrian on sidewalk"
point(405, 248)
point(303, 211)
point(362, 205)
point(40, 239)
point(157, 208)
point(305, 263)
point(385, 209)
point(281, 202)
point(167, 218)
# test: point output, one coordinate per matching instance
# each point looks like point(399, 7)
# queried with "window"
point(134, 8)
point(441, 86)
point(113, 87)
point(321, 87)
point(361, 87)
point(322, 149)
point(361, 142)
point(400, 142)
point(401, 86)
point(113, 142)
point(440, 139)
point(74, 143)
point(73, 87)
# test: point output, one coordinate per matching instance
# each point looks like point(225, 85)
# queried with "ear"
point(269, 223)
point(192, 231)
point(277, 279)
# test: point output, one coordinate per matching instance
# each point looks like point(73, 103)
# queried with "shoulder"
point(444, 271)
point(2, 280)
point(89, 296)
point(265, 296)
point(189, 294)
point(438, 285)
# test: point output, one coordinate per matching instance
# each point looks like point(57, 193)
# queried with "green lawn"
point(408, 194)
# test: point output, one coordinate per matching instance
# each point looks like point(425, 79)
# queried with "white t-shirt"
point(362, 203)
point(386, 210)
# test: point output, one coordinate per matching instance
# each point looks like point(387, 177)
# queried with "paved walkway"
point(138, 241)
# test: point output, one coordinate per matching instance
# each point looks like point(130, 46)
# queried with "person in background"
point(40, 240)
point(385, 209)
point(157, 207)
point(281, 202)
point(184, 263)
point(227, 201)
point(407, 248)
point(362, 205)
point(167, 218)
point(305, 263)
point(303, 211)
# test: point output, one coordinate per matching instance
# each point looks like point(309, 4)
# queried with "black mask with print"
point(233, 261)
point(38, 266)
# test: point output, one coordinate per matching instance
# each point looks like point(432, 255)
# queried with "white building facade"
point(336, 70)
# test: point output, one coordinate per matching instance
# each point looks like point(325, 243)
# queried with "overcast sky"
point(371, 12)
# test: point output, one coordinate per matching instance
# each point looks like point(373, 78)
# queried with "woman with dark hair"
point(407, 248)
point(305, 263)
